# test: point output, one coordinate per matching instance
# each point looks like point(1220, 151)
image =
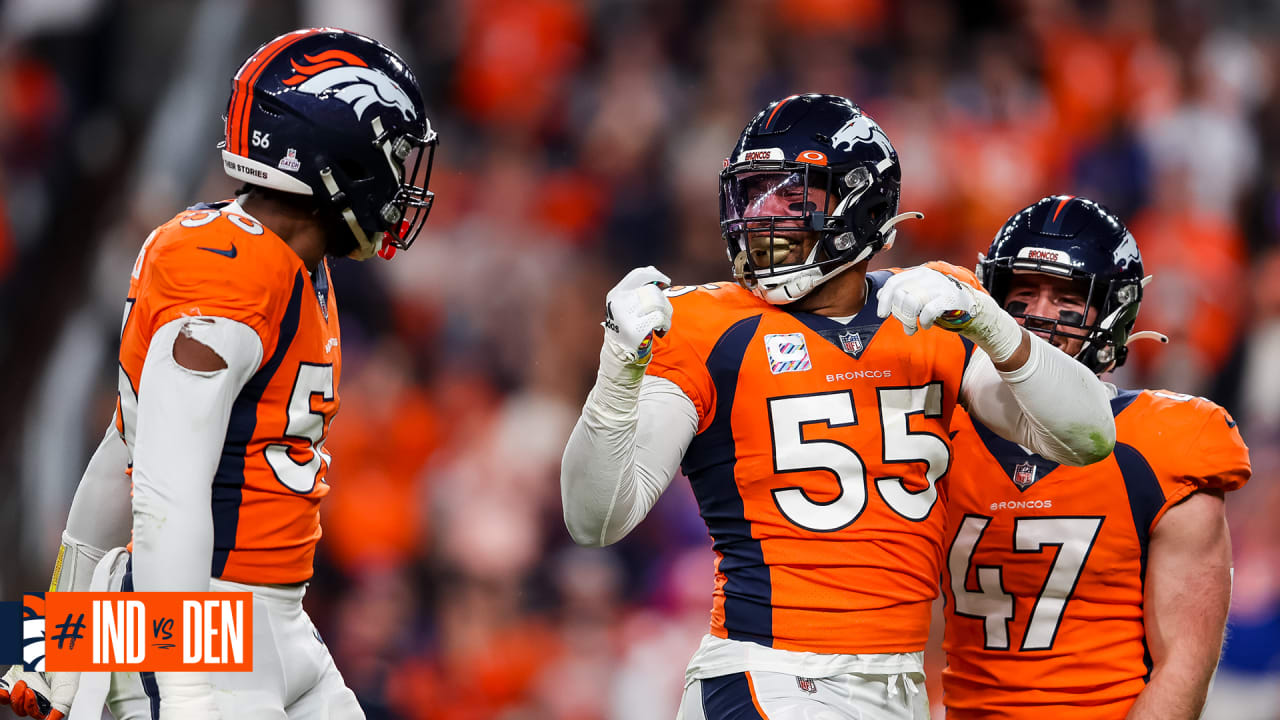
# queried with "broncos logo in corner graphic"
point(351, 80)
point(33, 632)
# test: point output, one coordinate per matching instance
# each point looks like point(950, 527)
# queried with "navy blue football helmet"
point(792, 148)
point(1075, 238)
point(337, 116)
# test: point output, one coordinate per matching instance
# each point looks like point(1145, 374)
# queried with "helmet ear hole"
point(352, 169)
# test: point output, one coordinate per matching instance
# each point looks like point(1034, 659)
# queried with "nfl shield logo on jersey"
point(851, 342)
point(787, 353)
point(1024, 474)
point(807, 685)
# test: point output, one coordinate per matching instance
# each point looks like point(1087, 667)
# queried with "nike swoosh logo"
point(224, 253)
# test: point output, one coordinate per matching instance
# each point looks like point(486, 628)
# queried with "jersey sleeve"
point(681, 358)
point(1211, 455)
point(184, 280)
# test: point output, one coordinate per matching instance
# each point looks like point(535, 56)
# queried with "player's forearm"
point(1177, 690)
point(1186, 597)
point(596, 472)
point(624, 450)
point(1061, 410)
point(99, 518)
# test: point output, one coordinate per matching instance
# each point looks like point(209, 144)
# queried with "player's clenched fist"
point(635, 309)
point(925, 296)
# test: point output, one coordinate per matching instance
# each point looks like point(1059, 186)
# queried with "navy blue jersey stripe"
point(1146, 497)
point(710, 463)
point(148, 679)
point(728, 697)
point(1122, 400)
point(866, 323)
point(11, 639)
point(1009, 455)
point(228, 481)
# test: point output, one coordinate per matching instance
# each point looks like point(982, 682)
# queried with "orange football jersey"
point(211, 260)
point(815, 465)
point(1046, 563)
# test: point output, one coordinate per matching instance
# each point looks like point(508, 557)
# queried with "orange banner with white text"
point(148, 631)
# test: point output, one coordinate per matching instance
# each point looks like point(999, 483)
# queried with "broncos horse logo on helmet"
point(339, 117)
point(356, 83)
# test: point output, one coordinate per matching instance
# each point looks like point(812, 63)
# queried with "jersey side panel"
point(285, 472)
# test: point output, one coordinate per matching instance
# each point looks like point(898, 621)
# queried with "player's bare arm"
point(1185, 602)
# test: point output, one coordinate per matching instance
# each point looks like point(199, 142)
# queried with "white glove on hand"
point(926, 296)
point(634, 310)
point(37, 694)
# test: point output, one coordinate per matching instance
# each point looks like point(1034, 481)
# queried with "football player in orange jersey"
point(812, 430)
point(229, 370)
point(1097, 593)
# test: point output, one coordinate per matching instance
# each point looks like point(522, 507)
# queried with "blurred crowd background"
point(581, 138)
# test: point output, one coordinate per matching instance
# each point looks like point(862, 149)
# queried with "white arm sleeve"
point(1053, 404)
point(624, 450)
point(99, 517)
point(182, 424)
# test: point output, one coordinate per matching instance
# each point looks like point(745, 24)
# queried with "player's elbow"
point(1090, 443)
point(585, 534)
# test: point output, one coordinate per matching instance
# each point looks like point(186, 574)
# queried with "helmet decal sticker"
point(355, 82)
point(1039, 253)
point(290, 161)
point(862, 129)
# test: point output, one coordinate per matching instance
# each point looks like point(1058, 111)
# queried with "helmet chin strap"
point(365, 248)
point(801, 283)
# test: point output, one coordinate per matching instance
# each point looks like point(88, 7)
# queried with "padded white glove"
point(635, 309)
point(925, 296)
point(38, 694)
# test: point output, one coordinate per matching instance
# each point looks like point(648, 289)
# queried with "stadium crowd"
point(581, 138)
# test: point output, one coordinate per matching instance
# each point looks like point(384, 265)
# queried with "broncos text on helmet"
point(337, 116)
point(838, 166)
point(1076, 238)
